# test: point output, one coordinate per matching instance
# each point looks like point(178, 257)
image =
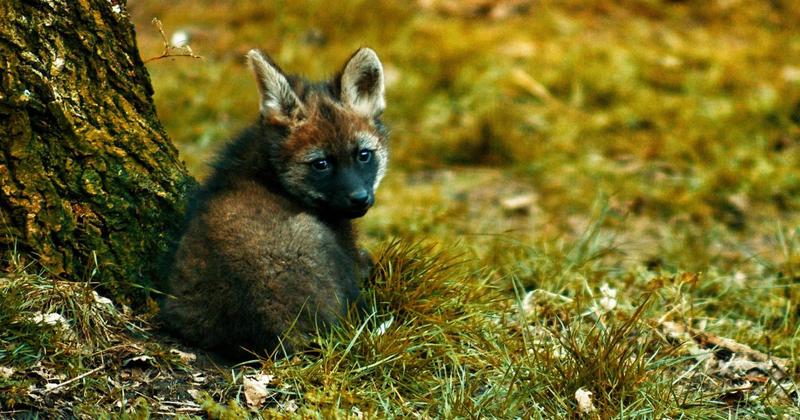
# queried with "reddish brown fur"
point(249, 233)
point(267, 259)
point(329, 125)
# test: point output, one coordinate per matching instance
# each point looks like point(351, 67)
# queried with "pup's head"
point(334, 151)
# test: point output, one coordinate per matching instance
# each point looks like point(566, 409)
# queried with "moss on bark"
point(88, 178)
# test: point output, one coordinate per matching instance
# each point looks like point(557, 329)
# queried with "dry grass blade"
point(685, 116)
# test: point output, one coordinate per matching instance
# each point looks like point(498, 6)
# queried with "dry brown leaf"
point(184, 356)
point(255, 389)
point(727, 359)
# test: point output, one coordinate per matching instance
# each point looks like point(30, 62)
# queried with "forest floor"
point(591, 210)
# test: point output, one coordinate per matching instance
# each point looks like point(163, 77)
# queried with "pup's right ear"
point(279, 104)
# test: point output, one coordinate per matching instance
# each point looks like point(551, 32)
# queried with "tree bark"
point(91, 185)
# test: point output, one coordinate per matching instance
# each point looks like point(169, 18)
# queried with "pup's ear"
point(361, 83)
point(279, 104)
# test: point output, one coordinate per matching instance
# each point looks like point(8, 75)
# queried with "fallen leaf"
point(255, 389)
point(608, 301)
point(184, 356)
point(584, 399)
point(518, 203)
point(102, 300)
point(139, 361)
point(775, 365)
point(6, 372)
point(289, 406)
point(51, 319)
point(539, 297)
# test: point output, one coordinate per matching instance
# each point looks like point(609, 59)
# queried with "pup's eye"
point(321, 164)
point(364, 156)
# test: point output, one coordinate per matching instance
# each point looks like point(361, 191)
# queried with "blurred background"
point(671, 128)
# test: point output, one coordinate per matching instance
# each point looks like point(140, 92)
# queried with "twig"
point(708, 340)
point(77, 378)
point(181, 403)
point(170, 50)
point(188, 409)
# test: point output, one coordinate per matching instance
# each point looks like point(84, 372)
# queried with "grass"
point(654, 147)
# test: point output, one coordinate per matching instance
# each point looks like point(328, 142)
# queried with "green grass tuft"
point(567, 178)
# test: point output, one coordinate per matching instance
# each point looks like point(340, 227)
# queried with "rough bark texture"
point(88, 173)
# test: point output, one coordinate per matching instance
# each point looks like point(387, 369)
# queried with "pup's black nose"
point(359, 198)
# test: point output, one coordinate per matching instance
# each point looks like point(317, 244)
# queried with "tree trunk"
point(91, 185)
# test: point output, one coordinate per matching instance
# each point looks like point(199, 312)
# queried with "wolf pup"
point(268, 257)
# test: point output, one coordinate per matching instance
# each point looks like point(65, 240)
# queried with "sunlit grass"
point(654, 147)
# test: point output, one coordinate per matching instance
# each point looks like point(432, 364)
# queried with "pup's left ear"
point(361, 84)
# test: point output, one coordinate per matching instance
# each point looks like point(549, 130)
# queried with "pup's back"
point(269, 255)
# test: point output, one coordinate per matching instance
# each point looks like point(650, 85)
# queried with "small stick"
point(169, 50)
point(707, 339)
point(77, 378)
